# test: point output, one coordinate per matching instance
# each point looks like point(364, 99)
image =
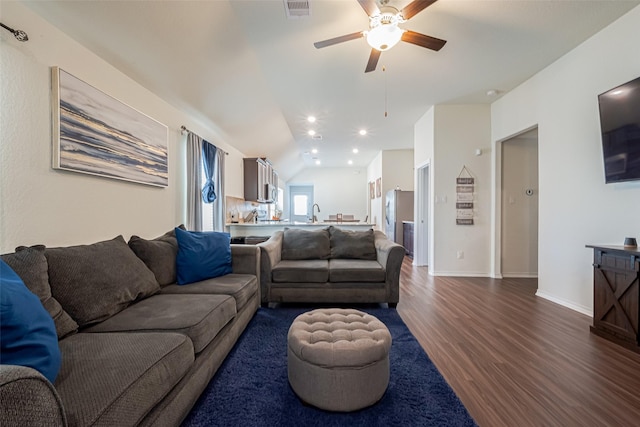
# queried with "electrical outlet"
point(460, 255)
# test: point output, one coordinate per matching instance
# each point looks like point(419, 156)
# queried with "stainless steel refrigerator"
point(398, 208)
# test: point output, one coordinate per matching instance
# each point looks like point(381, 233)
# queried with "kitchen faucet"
point(314, 218)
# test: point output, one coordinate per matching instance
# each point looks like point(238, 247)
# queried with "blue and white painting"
point(99, 135)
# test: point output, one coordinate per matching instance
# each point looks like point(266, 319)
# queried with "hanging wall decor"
point(96, 134)
point(465, 188)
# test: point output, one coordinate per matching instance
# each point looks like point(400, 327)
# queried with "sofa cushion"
point(311, 271)
point(342, 270)
point(240, 286)
point(202, 255)
point(31, 265)
point(352, 244)
point(116, 379)
point(200, 317)
point(27, 332)
point(159, 255)
point(305, 244)
point(94, 282)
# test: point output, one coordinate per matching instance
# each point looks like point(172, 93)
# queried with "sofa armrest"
point(28, 399)
point(390, 255)
point(270, 255)
point(245, 259)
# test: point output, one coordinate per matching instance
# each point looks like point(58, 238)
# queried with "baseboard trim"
point(520, 275)
point(461, 274)
point(575, 307)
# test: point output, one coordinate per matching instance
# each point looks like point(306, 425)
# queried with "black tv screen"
point(620, 127)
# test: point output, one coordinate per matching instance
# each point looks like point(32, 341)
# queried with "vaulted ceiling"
point(252, 75)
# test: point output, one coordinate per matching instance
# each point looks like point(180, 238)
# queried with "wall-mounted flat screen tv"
point(620, 127)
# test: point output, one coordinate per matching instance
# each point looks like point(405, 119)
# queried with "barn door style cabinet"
point(616, 294)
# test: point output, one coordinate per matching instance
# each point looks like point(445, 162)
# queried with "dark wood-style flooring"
point(515, 359)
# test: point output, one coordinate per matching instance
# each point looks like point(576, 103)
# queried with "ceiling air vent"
point(297, 9)
point(317, 137)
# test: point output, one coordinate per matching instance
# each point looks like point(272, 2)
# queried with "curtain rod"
point(184, 129)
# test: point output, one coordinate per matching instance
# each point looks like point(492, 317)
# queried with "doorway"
point(519, 206)
point(422, 218)
point(301, 203)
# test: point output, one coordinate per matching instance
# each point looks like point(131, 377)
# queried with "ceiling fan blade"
point(369, 6)
point(415, 7)
point(373, 60)
point(422, 40)
point(337, 40)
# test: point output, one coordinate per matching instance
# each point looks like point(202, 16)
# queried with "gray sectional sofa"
point(330, 265)
point(137, 349)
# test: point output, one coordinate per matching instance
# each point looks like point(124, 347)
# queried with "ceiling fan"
point(384, 32)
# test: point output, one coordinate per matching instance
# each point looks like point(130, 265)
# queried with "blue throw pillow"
point(202, 255)
point(27, 333)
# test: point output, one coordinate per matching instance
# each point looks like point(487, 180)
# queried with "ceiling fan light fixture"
point(384, 36)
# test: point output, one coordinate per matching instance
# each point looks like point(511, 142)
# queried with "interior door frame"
point(423, 223)
point(306, 189)
point(496, 224)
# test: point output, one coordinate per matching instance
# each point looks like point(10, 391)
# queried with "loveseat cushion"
point(352, 244)
point(305, 244)
point(342, 270)
point(94, 282)
point(302, 271)
point(116, 379)
point(159, 255)
point(31, 265)
point(240, 286)
point(200, 317)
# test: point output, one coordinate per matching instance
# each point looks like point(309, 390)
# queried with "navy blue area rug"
point(251, 388)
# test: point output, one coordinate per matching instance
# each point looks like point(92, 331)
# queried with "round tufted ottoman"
point(338, 359)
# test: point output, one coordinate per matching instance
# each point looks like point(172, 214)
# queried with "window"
point(300, 204)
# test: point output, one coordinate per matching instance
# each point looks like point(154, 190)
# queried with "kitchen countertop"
point(267, 228)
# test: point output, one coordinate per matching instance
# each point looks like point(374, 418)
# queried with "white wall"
point(336, 190)
point(576, 206)
point(423, 148)
point(376, 211)
point(397, 170)
point(459, 131)
point(55, 208)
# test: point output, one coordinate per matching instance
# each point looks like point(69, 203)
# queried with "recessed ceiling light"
point(355, 151)
point(311, 119)
point(311, 132)
point(492, 92)
point(363, 132)
point(317, 162)
point(314, 150)
point(350, 162)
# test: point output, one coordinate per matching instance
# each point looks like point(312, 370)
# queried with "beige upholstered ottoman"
point(338, 359)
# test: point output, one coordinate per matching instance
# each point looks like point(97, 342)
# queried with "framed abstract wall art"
point(96, 134)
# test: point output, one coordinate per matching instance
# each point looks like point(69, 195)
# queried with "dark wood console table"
point(616, 294)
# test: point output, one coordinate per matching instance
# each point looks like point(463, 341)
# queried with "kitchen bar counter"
point(267, 228)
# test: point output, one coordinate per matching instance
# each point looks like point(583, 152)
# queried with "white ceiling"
point(243, 69)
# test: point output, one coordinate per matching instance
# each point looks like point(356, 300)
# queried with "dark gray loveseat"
point(137, 349)
point(330, 265)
